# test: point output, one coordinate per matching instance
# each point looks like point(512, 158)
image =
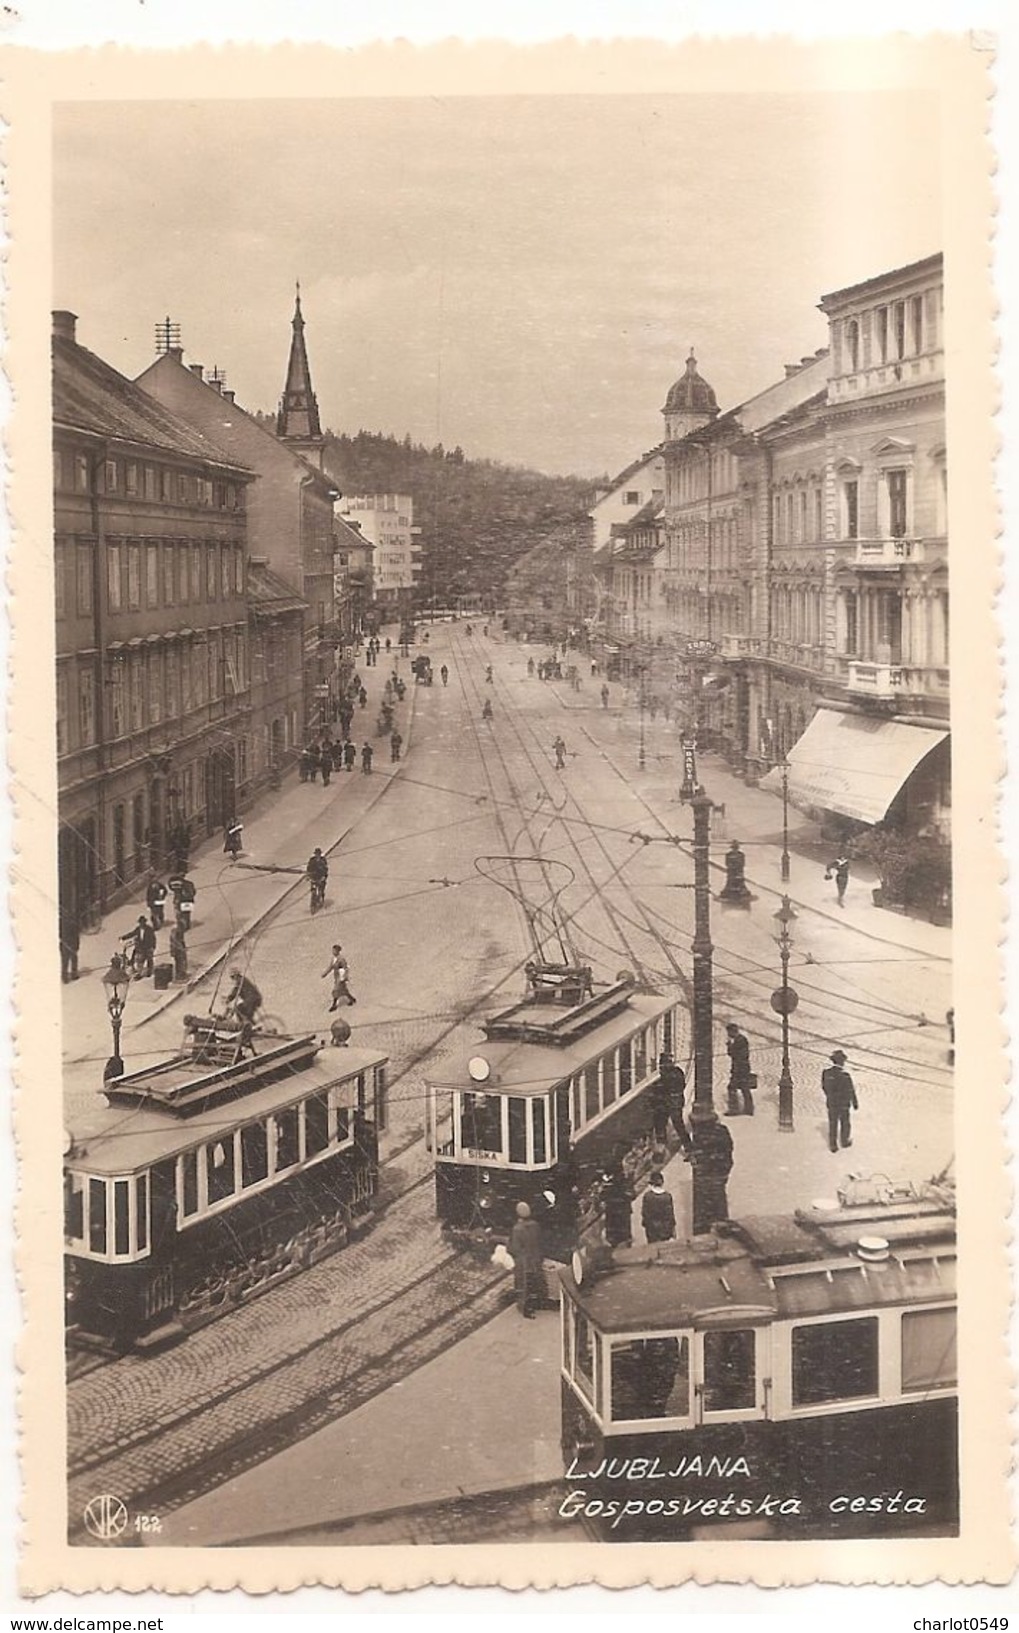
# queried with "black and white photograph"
point(504, 882)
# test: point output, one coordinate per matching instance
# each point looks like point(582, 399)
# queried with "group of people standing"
point(140, 942)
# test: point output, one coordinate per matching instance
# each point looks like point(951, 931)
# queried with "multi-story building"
point(276, 618)
point(153, 687)
point(387, 521)
point(290, 506)
point(353, 587)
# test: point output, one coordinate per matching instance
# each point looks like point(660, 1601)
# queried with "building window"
point(631, 498)
point(916, 308)
point(63, 733)
point(113, 585)
point(149, 481)
point(118, 712)
point(152, 575)
point(155, 686)
point(110, 476)
point(853, 345)
point(196, 574)
point(851, 509)
point(182, 574)
point(224, 572)
point(169, 575)
point(136, 689)
point(81, 473)
point(802, 530)
point(899, 320)
point(881, 333)
point(131, 479)
point(83, 576)
point(86, 708)
point(59, 579)
point(210, 573)
point(238, 571)
point(172, 683)
point(134, 576)
point(897, 506)
point(183, 487)
point(165, 485)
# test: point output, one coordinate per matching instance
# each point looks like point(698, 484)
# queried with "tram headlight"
point(486, 1202)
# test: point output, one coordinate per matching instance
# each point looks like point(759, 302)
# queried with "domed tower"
point(690, 404)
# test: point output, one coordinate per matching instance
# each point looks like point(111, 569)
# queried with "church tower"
point(690, 404)
point(297, 421)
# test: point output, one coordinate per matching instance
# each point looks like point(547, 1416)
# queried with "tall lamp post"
point(116, 981)
point(785, 820)
point(712, 1153)
point(641, 755)
point(784, 1002)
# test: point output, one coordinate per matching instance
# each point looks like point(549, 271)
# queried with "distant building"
point(276, 638)
point(153, 674)
point(353, 580)
point(387, 520)
point(290, 507)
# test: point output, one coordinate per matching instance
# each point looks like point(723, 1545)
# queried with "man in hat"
point(840, 1098)
point(741, 1079)
point(528, 1269)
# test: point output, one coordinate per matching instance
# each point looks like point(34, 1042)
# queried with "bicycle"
point(318, 894)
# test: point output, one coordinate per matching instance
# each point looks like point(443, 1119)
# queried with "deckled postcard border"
point(960, 70)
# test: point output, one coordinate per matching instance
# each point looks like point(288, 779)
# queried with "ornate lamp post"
point(116, 981)
point(785, 820)
point(712, 1154)
point(641, 755)
point(784, 1002)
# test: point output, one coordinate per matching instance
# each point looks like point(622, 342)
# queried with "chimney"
point(791, 369)
point(228, 395)
point(176, 352)
point(804, 361)
point(64, 324)
point(217, 385)
point(197, 369)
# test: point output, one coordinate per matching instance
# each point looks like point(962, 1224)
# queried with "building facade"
point(153, 674)
point(276, 620)
point(386, 520)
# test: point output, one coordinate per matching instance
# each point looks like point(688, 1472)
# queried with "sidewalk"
point(753, 816)
point(280, 830)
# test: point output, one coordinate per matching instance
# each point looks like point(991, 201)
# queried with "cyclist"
point(318, 872)
point(244, 999)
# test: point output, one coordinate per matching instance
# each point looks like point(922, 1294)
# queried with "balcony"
point(891, 681)
point(889, 553)
point(736, 647)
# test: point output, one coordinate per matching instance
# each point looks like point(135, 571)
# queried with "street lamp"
point(785, 821)
point(712, 1154)
point(784, 1002)
point(641, 757)
point(116, 981)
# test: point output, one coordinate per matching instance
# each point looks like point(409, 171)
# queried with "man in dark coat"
point(658, 1211)
point(528, 1269)
point(741, 1081)
point(155, 896)
point(70, 941)
point(659, 1098)
point(712, 1160)
point(673, 1079)
point(366, 759)
point(616, 1199)
point(349, 754)
point(840, 1098)
point(244, 999)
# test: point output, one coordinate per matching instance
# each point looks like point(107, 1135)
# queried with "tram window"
point(316, 1124)
point(583, 1354)
point(442, 1103)
point(650, 1379)
point(219, 1169)
point(517, 1129)
point(730, 1383)
point(610, 1077)
point(834, 1361)
point(97, 1215)
point(361, 1091)
point(928, 1350)
point(640, 1057)
point(141, 1206)
point(537, 1130)
point(577, 1102)
point(288, 1146)
point(121, 1218)
point(381, 1100)
point(591, 1105)
point(669, 1032)
point(342, 1125)
point(625, 1069)
point(254, 1153)
point(482, 1122)
point(74, 1208)
point(189, 1182)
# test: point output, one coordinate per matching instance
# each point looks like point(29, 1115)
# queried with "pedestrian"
point(444, 673)
point(304, 765)
point(142, 948)
point(232, 839)
point(314, 761)
point(70, 940)
point(560, 754)
point(155, 896)
point(327, 764)
point(395, 745)
point(349, 754)
point(530, 667)
point(389, 644)
point(658, 1211)
point(839, 871)
point(488, 675)
point(712, 1161)
point(673, 1078)
point(337, 756)
point(528, 1268)
point(367, 754)
point(605, 696)
point(179, 952)
point(616, 1194)
point(338, 969)
point(339, 1033)
point(594, 667)
point(362, 697)
point(742, 1081)
point(840, 1098)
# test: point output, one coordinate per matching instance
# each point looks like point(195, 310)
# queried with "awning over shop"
point(854, 764)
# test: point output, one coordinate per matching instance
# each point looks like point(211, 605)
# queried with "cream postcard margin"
point(959, 70)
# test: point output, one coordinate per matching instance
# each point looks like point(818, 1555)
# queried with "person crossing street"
point(742, 1081)
point(560, 754)
point(840, 1098)
point(340, 972)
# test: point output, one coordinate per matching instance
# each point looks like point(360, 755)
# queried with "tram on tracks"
point(778, 1377)
point(552, 1093)
point(205, 1179)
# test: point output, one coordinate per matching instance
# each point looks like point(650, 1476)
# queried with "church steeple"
point(298, 420)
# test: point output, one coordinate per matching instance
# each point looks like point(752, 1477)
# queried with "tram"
point(779, 1377)
point(552, 1093)
point(205, 1179)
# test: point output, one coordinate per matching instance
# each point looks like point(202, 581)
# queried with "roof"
point(121, 1140)
point(269, 593)
point(691, 393)
point(350, 538)
point(91, 396)
point(913, 269)
point(532, 1069)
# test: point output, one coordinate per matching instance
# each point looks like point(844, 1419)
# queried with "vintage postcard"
point(504, 744)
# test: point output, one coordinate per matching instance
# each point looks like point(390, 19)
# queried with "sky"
point(522, 276)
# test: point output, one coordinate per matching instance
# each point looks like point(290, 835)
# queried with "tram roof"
point(114, 1140)
point(522, 1067)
